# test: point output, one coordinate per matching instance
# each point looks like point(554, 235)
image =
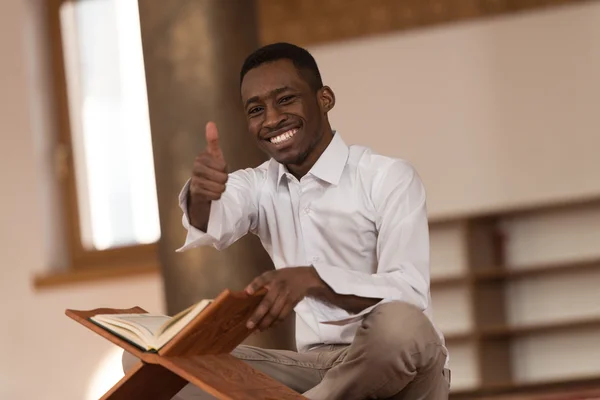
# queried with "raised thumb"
point(212, 140)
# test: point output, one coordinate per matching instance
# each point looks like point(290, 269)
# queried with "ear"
point(326, 99)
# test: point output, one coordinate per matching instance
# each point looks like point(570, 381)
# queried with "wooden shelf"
point(516, 210)
point(492, 274)
point(459, 337)
point(445, 281)
point(505, 331)
point(483, 242)
point(589, 385)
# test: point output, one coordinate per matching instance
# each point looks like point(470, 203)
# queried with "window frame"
point(79, 257)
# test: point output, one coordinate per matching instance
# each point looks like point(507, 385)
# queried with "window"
point(104, 142)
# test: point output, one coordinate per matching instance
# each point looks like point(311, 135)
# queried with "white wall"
point(43, 354)
point(483, 109)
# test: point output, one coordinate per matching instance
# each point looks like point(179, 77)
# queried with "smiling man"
point(347, 231)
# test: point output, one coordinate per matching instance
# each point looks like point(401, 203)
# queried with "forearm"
point(353, 304)
point(199, 212)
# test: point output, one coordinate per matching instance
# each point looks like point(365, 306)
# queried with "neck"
point(301, 169)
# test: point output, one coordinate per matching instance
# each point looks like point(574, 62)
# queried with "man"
point(348, 234)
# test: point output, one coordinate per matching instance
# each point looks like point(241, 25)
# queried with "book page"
point(151, 323)
point(153, 330)
point(175, 325)
point(175, 319)
point(128, 334)
point(145, 326)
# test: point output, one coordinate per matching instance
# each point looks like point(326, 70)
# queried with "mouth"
point(283, 137)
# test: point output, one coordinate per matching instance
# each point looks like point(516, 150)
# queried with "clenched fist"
point(209, 177)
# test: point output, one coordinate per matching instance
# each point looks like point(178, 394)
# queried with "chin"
point(289, 158)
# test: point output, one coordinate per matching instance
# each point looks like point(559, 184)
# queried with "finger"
point(259, 282)
point(211, 174)
point(273, 314)
point(203, 194)
point(212, 141)
point(262, 309)
point(206, 160)
point(215, 187)
point(287, 309)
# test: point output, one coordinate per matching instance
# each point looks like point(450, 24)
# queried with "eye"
point(254, 110)
point(285, 99)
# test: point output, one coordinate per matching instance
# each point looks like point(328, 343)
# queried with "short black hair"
point(301, 58)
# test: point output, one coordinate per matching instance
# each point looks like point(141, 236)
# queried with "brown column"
point(193, 50)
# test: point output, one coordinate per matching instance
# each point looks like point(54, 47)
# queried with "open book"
point(149, 331)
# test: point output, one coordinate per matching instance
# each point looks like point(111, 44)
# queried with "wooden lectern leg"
point(146, 382)
point(228, 378)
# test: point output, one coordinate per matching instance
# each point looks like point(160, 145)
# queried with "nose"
point(273, 118)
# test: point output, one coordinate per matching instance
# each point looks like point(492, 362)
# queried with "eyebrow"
point(273, 92)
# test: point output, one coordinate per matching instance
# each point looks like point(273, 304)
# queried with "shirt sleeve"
point(402, 248)
point(231, 217)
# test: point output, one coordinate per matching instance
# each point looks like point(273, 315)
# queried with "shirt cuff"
point(195, 237)
point(345, 281)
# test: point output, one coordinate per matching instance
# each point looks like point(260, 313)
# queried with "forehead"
point(262, 80)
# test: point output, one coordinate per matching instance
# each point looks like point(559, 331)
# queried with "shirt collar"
point(330, 165)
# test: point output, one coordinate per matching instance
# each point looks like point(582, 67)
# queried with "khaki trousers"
point(396, 355)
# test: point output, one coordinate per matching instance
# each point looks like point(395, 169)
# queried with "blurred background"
point(496, 102)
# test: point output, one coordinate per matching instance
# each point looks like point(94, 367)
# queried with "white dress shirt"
point(358, 217)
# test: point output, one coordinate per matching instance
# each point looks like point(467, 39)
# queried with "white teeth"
point(284, 136)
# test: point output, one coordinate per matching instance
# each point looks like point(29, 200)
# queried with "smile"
point(284, 137)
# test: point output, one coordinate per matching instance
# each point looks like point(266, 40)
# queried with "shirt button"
point(315, 259)
point(307, 210)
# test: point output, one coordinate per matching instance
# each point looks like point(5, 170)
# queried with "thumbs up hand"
point(209, 174)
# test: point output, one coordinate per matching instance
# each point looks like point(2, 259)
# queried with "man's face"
point(283, 113)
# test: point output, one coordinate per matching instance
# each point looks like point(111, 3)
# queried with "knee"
point(398, 328)
point(128, 361)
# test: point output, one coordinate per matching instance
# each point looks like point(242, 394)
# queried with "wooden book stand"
point(199, 354)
